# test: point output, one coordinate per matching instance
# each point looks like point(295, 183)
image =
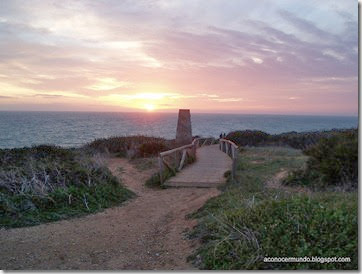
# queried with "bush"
point(155, 180)
point(301, 140)
point(151, 148)
point(332, 162)
point(47, 183)
point(248, 137)
point(130, 146)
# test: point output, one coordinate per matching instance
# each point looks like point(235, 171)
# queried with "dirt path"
point(276, 183)
point(145, 233)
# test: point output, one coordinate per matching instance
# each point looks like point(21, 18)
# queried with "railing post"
point(233, 172)
point(176, 159)
point(183, 158)
point(160, 163)
point(231, 149)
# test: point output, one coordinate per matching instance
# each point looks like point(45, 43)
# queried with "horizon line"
point(192, 112)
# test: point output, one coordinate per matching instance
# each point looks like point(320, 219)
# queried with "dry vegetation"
point(47, 183)
point(131, 146)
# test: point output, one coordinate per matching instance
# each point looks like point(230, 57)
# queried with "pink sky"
point(242, 56)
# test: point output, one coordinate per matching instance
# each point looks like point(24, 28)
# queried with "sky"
point(237, 56)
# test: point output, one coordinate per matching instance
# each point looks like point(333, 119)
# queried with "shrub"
point(151, 148)
point(248, 137)
point(297, 140)
point(130, 146)
point(155, 180)
point(47, 183)
point(332, 162)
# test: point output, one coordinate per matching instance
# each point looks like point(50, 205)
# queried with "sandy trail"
point(276, 183)
point(146, 232)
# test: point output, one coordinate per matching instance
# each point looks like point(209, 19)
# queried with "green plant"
point(151, 148)
point(248, 221)
point(332, 162)
point(155, 180)
point(248, 137)
point(130, 146)
point(298, 226)
point(297, 140)
point(47, 183)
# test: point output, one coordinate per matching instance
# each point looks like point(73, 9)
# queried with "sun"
point(149, 107)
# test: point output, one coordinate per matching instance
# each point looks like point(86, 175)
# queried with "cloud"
point(306, 26)
point(334, 54)
point(237, 49)
point(108, 83)
point(49, 96)
point(257, 60)
point(223, 100)
point(6, 97)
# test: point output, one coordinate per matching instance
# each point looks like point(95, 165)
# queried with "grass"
point(155, 182)
point(48, 183)
point(249, 221)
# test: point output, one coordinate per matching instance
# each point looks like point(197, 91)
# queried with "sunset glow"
point(149, 107)
point(277, 57)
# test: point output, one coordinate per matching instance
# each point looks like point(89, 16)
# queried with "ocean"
point(73, 129)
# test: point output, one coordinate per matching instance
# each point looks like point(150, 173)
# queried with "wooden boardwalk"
point(207, 171)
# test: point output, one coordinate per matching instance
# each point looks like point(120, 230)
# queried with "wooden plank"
point(204, 142)
point(182, 159)
point(193, 149)
point(160, 163)
point(229, 142)
point(207, 171)
point(169, 167)
point(168, 152)
point(231, 149)
point(175, 158)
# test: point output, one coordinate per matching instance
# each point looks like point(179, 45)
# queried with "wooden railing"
point(231, 149)
point(175, 159)
point(207, 141)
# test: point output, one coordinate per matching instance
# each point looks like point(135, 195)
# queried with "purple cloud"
point(259, 51)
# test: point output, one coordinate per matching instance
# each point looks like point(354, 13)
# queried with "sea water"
point(72, 129)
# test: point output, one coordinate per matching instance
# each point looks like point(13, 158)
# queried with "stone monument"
point(184, 132)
